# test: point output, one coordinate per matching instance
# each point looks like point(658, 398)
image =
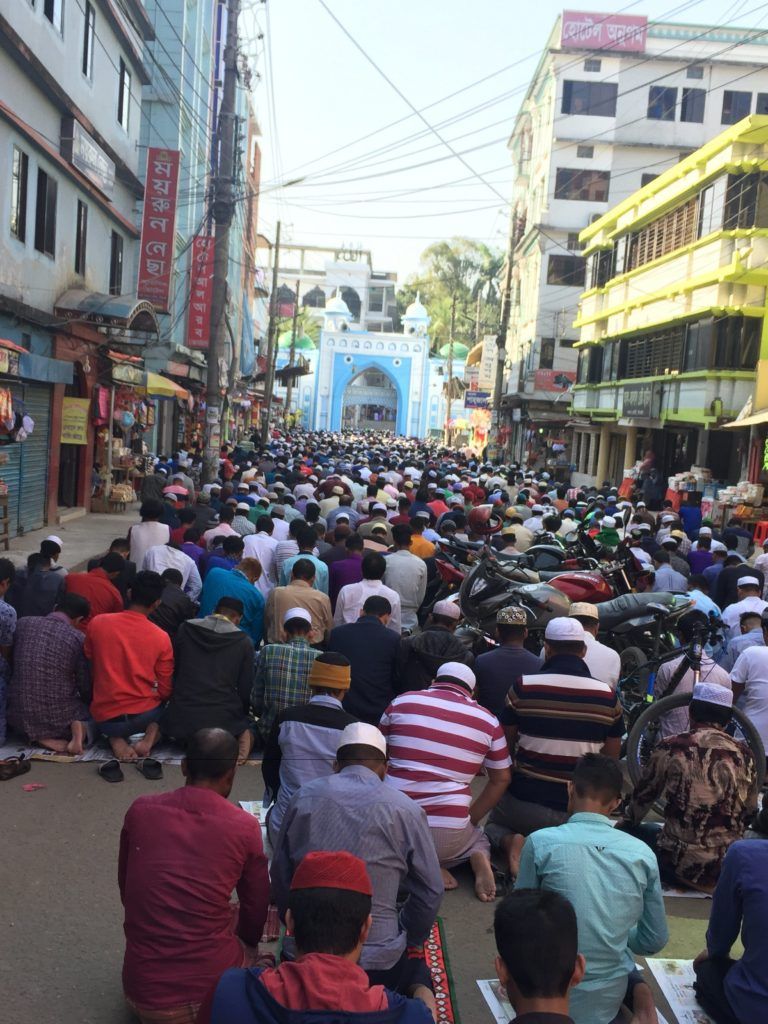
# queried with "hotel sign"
point(87, 156)
point(583, 30)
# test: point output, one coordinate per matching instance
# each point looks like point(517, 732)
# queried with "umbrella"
point(175, 489)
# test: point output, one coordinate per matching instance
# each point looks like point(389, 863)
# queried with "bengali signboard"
point(553, 380)
point(158, 227)
point(201, 292)
point(87, 156)
point(640, 401)
point(585, 30)
point(488, 362)
point(74, 420)
point(477, 399)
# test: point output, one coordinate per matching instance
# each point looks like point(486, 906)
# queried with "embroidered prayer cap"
point(564, 629)
point(332, 869)
point(511, 616)
point(583, 610)
point(711, 693)
point(447, 608)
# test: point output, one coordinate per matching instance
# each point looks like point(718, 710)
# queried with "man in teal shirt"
point(306, 538)
point(239, 582)
point(612, 880)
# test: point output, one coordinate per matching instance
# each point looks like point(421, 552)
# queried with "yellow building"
point(673, 340)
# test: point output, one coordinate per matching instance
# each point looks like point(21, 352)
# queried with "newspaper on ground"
point(675, 978)
point(502, 1009)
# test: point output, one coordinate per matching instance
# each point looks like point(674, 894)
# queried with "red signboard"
point(583, 30)
point(158, 227)
point(200, 293)
point(553, 380)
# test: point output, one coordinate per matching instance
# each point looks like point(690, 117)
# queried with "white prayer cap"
point(563, 628)
point(362, 734)
point(456, 672)
point(297, 613)
point(644, 527)
point(447, 608)
point(668, 519)
point(342, 517)
point(378, 507)
point(717, 545)
point(537, 508)
point(243, 506)
point(609, 521)
point(711, 693)
point(705, 531)
point(641, 504)
point(748, 581)
point(56, 540)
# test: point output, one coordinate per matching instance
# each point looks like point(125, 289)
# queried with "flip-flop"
point(11, 767)
point(111, 771)
point(150, 768)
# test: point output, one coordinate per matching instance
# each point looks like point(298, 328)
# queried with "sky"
point(345, 158)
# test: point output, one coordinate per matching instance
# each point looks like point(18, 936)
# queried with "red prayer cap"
point(336, 869)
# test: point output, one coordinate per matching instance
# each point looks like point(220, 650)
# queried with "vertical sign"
point(488, 362)
point(200, 293)
point(158, 227)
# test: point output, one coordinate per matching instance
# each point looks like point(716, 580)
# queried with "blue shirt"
point(741, 901)
point(612, 880)
point(321, 571)
point(232, 583)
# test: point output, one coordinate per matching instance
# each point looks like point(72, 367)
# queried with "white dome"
point(416, 311)
point(337, 307)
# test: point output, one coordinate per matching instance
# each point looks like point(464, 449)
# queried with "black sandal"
point(150, 768)
point(111, 771)
point(12, 767)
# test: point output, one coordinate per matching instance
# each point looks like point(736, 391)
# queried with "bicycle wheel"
point(645, 734)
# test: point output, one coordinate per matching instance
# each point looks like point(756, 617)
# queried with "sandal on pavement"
point(150, 768)
point(11, 767)
point(111, 771)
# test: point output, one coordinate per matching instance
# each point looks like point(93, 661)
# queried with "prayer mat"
point(15, 746)
point(436, 957)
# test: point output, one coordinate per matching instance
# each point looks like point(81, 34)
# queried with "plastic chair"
point(761, 532)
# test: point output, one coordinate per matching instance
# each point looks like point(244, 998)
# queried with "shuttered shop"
point(26, 472)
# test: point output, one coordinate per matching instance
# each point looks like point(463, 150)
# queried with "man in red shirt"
point(132, 669)
point(98, 587)
point(181, 855)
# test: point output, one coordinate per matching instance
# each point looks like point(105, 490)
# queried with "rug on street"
point(167, 753)
point(442, 982)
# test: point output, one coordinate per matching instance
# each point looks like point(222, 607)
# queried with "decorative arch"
point(345, 373)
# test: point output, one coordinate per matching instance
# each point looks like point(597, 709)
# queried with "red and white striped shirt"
point(437, 742)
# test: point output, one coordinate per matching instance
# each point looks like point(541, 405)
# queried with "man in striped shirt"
point(438, 740)
point(553, 718)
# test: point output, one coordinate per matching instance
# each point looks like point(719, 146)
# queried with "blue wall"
point(346, 367)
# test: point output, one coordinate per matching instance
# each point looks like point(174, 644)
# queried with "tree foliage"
point(466, 270)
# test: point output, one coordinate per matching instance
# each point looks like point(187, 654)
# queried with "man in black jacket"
point(421, 656)
point(372, 650)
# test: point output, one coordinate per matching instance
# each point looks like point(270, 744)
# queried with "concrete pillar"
point(630, 443)
point(702, 447)
point(602, 454)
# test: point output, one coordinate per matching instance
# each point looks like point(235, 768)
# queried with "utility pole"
point(269, 383)
point(449, 393)
point(223, 208)
point(292, 356)
point(501, 339)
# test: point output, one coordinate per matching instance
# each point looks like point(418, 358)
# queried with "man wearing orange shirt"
point(98, 587)
point(132, 668)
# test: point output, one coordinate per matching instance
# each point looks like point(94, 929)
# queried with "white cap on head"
point(297, 613)
point(711, 693)
point(609, 521)
point(537, 508)
point(56, 540)
point(705, 531)
point(644, 527)
point(641, 504)
point(748, 581)
point(717, 545)
point(565, 629)
point(342, 517)
point(456, 672)
point(447, 608)
point(668, 519)
point(362, 734)
point(243, 506)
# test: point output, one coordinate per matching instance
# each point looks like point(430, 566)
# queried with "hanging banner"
point(74, 420)
point(158, 227)
point(488, 363)
point(201, 292)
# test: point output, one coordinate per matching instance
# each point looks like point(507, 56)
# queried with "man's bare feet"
point(449, 882)
point(57, 746)
point(144, 746)
point(77, 743)
point(244, 746)
point(513, 846)
point(485, 883)
point(122, 750)
point(426, 996)
point(643, 1006)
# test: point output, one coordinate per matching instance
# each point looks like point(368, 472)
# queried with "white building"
point(613, 103)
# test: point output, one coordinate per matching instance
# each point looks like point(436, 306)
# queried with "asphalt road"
point(62, 919)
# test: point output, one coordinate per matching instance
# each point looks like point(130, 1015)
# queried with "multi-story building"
point(614, 102)
point(673, 322)
point(70, 114)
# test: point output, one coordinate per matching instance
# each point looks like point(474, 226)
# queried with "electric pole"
point(501, 339)
point(292, 356)
point(223, 208)
point(269, 382)
point(449, 393)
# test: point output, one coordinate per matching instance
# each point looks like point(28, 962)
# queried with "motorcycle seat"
point(627, 606)
point(461, 545)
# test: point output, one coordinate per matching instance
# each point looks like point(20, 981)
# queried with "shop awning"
point(748, 421)
point(5, 343)
point(102, 310)
point(157, 386)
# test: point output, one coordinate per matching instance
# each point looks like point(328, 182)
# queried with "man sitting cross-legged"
point(613, 882)
point(329, 915)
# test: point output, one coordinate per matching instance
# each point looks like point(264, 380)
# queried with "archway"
point(352, 300)
point(369, 402)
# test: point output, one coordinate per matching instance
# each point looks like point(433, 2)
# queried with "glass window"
point(582, 366)
point(45, 215)
point(81, 236)
point(585, 152)
point(19, 175)
point(595, 371)
point(591, 64)
point(89, 38)
point(547, 354)
point(124, 95)
point(761, 106)
point(661, 103)
point(573, 241)
point(54, 12)
point(740, 201)
point(647, 178)
point(376, 300)
point(698, 344)
point(600, 268)
point(588, 186)
point(695, 71)
point(692, 105)
point(735, 106)
point(594, 99)
point(711, 202)
point(737, 342)
point(620, 254)
point(116, 265)
point(566, 270)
